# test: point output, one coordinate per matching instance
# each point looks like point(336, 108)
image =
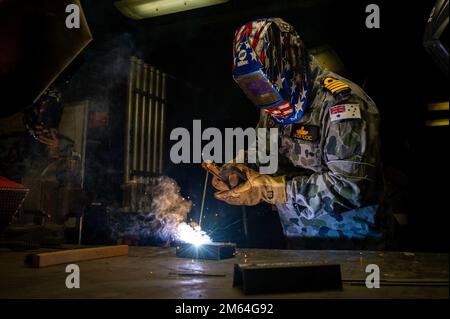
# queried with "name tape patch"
point(344, 112)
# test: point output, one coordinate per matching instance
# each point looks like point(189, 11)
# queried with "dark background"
point(194, 48)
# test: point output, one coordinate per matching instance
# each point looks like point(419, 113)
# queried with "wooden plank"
point(75, 255)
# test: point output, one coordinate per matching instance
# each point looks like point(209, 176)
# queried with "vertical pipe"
point(161, 125)
point(155, 128)
point(151, 99)
point(136, 114)
point(143, 108)
point(128, 118)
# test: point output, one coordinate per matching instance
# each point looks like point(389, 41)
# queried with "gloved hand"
point(254, 190)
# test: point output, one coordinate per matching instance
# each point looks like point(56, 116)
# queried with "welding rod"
point(203, 199)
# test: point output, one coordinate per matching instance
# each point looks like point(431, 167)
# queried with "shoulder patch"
point(308, 133)
point(335, 86)
point(344, 111)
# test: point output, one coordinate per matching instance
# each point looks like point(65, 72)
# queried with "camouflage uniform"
point(331, 165)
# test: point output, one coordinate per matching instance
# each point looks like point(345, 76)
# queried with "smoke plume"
point(159, 210)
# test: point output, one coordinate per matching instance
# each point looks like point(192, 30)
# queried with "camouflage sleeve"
point(350, 155)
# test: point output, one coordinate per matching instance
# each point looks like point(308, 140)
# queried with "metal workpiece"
point(214, 251)
point(283, 277)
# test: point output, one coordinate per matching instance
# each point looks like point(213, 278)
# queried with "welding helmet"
point(271, 66)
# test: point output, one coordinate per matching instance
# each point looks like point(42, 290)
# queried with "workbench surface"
point(155, 272)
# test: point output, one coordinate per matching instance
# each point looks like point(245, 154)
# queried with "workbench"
point(155, 272)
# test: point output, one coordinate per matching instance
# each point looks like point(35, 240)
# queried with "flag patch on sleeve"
point(344, 112)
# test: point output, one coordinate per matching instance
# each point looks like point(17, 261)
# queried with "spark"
point(224, 227)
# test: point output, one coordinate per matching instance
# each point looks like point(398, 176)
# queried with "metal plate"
point(286, 277)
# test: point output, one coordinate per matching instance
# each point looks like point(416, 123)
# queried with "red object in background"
point(7, 183)
point(12, 195)
point(98, 119)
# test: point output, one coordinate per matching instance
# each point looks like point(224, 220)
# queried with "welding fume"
point(154, 200)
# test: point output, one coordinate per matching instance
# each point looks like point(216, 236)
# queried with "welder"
point(328, 184)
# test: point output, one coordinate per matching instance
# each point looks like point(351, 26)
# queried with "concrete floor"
point(153, 272)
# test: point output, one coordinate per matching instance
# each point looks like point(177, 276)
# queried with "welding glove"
point(250, 190)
